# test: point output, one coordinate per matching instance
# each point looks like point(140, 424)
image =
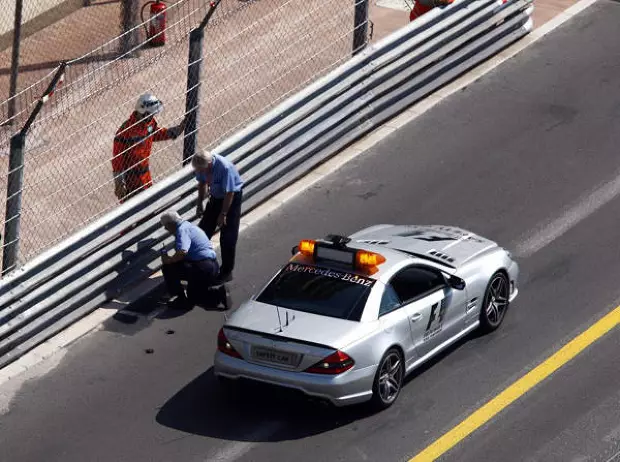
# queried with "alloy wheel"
point(498, 300)
point(390, 377)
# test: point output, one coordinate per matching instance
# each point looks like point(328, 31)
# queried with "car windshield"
point(319, 291)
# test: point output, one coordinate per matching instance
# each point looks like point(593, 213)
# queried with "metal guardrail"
point(70, 280)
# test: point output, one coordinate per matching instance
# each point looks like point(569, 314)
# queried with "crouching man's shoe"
point(180, 303)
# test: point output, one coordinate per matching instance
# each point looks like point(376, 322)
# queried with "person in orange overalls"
point(132, 147)
point(424, 6)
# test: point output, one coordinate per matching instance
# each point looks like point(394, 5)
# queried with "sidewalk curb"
point(94, 321)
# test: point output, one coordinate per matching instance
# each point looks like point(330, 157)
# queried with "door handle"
point(415, 317)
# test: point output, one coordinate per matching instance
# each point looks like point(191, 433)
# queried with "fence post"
point(360, 32)
point(192, 101)
point(194, 68)
point(17, 32)
point(129, 20)
point(15, 179)
point(15, 182)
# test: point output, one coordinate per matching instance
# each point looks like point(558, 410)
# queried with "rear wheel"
point(495, 303)
point(388, 379)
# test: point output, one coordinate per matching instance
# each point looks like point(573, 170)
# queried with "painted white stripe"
point(570, 218)
point(234, 451)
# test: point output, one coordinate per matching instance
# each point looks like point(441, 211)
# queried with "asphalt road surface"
point(528, 155)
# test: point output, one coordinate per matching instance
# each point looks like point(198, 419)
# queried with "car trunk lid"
point(288, 339)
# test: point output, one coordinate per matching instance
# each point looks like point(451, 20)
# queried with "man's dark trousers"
point(199, 276)
point(229, 233)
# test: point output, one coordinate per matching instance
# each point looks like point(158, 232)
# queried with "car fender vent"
point(373, 241)
point(441, 255)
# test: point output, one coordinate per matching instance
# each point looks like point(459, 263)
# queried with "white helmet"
point(149, 104)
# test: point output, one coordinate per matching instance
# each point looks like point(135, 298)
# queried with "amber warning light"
point(307, 247)
point(360, 259)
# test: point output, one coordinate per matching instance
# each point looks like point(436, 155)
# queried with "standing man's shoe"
point(225, 300)
point(225, 277)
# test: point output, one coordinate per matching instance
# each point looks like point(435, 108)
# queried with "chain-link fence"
point(255, 54)
point(35, 15)
point(50, 31)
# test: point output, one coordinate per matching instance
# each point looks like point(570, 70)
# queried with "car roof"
point(393, 259)
point(444, 247)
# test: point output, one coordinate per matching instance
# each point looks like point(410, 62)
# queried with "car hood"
point(297, 325)
point(450, 244)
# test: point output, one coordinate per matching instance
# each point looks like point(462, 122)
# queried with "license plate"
point(267, 355)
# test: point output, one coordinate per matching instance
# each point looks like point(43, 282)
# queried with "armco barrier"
point(71, 280)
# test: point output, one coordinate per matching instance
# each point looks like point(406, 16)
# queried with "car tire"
point(388, 380)
point(495, 303)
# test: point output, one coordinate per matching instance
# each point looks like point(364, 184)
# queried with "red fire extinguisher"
point(156, 32)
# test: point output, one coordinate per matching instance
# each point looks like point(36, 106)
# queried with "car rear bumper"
point(351, 387)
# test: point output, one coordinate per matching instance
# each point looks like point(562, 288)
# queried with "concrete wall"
point(37, 14)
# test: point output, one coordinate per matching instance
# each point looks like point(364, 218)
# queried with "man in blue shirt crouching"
point(194, 261)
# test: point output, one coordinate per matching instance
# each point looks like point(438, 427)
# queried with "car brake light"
point(224, 345)
point(336, 363)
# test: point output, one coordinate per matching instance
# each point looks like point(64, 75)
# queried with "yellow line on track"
point(519, 388)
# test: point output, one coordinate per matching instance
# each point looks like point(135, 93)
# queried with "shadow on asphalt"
point(205, 407)
point(141, 313)
point(209, 408)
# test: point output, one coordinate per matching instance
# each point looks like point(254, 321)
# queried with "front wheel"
point(388, 380)
point(495, 303)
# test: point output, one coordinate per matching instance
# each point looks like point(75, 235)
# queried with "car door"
point(429, 303)
point(395, 322)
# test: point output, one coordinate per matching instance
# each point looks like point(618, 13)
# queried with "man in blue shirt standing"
point(194, 261)
point(220, 177)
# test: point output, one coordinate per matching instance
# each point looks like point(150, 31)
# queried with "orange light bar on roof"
point(306, 247)
point(367, 260)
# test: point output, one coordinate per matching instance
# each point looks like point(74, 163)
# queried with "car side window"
point(389, 300)
point(415, 281)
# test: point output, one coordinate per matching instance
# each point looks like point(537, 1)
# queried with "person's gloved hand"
point(119, 188)
point(174, 132)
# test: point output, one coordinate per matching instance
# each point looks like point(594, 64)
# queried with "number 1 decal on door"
point(435, 321)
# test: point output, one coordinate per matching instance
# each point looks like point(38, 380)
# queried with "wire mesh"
point(51, 35)
point(256, 53)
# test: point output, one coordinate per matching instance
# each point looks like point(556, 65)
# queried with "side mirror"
point(294, 250)
point(456, 282)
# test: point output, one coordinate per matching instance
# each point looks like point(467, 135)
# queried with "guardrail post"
point(129, 21)
point(360, 31)
point(192, 101)
point(15, 183)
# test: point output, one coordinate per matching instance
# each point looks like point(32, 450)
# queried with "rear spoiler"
point(279, 338)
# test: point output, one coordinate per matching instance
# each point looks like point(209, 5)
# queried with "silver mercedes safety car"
point(347, 318)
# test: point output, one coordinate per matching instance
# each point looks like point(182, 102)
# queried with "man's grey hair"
point(202, 159)
point(171, 218)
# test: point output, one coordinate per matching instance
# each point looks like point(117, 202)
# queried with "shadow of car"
point(206, 407)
